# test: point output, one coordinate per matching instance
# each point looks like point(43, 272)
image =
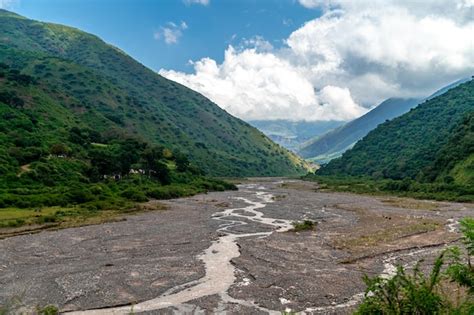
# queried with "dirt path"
point(229, 252)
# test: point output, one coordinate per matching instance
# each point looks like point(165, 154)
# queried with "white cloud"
point(259, 85)
point(171, 33)
point(334, 67)
point(201, 2)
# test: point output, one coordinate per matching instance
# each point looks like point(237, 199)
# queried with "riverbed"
point(229, 252)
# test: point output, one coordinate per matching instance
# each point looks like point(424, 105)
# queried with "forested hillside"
point(429, 149)
point(84, 81)
point(406, 145)
point(335, 142)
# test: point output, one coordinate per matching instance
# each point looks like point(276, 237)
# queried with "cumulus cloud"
point(259, 85)
point(201, 2)
point(171, 33)
point(336, 66)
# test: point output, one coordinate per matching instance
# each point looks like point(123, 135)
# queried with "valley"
point(128, 186)
point(232, 251)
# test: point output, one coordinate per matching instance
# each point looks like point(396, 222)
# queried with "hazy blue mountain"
point(292, 134)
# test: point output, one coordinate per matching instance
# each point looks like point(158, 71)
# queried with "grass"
point(306, 225)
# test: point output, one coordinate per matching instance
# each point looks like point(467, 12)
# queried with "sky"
point(284, 59)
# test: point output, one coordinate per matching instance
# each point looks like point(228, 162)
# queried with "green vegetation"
point(306, 225)
point(62, 78)
point(426, 153)
point(448, 289)
point(403, 188)
point(335, 142)
point(86, 132)
point(54, 167)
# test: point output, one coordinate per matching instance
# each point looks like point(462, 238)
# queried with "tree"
point(150, 156)
point(59, 149)
point(162, 173)
point(182, 162)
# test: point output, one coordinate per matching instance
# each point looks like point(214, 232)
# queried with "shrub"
point(418, 293)
point(79, 195)
point(303, 226)
point(134, 195)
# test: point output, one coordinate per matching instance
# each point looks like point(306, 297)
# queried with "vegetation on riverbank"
point(402, 188)
point(48, 178)
point(447, 289)
point(305, 225)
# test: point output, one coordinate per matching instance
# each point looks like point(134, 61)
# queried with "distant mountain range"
point(292, 134)
point(433, 142)
point(79, 81)
point(334, 143)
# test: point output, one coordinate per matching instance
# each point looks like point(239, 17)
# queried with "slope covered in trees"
point(82, 80)
point(403, 147)
point(335, 142)
point(54, 167)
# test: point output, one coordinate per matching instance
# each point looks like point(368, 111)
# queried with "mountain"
point(455, 160)
point(292, 134)
point(447, 88)
point(432, 142)
point(81, 81)
point(335, 142)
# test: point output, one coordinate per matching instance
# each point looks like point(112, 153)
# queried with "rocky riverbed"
point(229, 252)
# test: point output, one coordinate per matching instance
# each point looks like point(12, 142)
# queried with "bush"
point(306, 225)
point(79, 195)
point(417, 293)
point(134, 195)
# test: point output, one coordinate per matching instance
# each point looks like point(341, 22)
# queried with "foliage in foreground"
point(417, 293)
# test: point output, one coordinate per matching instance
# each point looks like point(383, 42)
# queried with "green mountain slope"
point(422, 144)
point(335, 142)
point(83, 81)
point(455, 160)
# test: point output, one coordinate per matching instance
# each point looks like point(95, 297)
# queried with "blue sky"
point(131, 24)
point(284, 59)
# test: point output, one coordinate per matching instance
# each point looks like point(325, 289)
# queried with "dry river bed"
point(229, 252)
